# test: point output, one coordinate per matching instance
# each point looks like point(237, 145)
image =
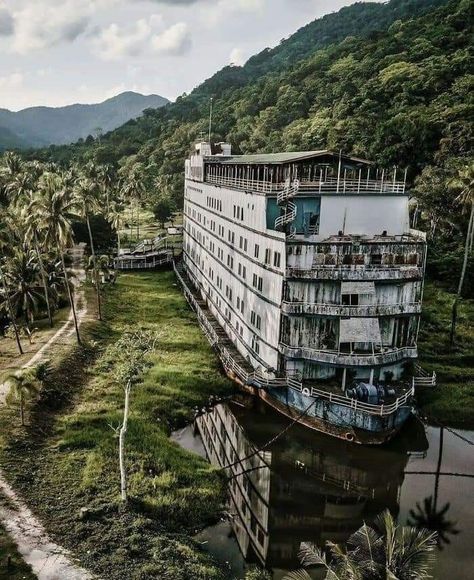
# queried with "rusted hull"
point(347, 432)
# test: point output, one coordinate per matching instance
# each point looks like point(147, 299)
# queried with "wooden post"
point(344, 378)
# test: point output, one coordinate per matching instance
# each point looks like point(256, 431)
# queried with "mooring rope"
point(272, 440)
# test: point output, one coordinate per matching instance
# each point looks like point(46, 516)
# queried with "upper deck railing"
point(330, 185)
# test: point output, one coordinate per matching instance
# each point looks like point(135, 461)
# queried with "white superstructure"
point(306, 260)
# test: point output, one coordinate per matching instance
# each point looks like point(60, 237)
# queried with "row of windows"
point(271, 258)
point(239, 212)
point(214, 203)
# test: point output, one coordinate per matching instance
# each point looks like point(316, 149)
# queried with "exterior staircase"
point(290, 210)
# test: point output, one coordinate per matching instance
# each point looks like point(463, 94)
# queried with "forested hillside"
point(402, 96)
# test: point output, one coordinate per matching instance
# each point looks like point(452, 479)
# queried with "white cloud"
point(115, 42)
point(174, 41)
point(222, 10)
point(41, 25)
point(11, 81)
point(237, 57)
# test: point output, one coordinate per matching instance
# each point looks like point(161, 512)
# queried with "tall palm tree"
point(24, 384)
point(56, 206)
point(383, 552)
point(6, 237)
point(133, 188)
point(22, 279)
point(87, 192)
point(33, 233)
point(115, 219)
point(463, 184)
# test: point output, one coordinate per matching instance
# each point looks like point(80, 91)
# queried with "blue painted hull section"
point(335, 419)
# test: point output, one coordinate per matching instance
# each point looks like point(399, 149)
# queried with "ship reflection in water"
point(303, 487)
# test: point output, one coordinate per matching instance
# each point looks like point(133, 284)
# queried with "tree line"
point(39, 205)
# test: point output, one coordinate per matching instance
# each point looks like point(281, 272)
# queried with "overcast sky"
point(57, 52)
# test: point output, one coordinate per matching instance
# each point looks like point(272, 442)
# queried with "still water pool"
point(305, 486)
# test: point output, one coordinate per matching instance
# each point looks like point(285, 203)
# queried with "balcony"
point(388, 356)
point(365, 310)
point(356, 273)
point(331, 185)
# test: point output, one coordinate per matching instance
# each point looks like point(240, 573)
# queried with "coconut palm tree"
point(6, 238)
point(87, 192)
point(56, 206)
point(463, 184)
point(22, 280)
point(33, 235)
point(383, 552)
point(115, 219)
point(24, 384)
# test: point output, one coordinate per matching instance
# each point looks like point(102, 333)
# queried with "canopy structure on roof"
point(360, 330)
point(285, 158)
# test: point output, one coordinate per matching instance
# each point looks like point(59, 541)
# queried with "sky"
point(59, 52)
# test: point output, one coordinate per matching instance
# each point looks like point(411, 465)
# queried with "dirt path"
point(48, 560)
point(66, 333)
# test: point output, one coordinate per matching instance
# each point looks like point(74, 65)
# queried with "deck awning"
point(357, 288)
point(285, 158)
point(360, 330)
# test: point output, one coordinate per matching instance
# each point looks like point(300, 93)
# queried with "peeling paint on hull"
point(330, 418)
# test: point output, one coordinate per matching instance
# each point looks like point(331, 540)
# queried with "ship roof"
point(284, 158)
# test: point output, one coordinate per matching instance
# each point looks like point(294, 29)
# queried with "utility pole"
point(10, 310)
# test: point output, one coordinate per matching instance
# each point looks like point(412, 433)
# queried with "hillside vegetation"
point(401, 96)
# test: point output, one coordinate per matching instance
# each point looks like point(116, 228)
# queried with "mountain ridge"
point(42, 125)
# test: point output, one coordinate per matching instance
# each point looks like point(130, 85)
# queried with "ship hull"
point(330, 418)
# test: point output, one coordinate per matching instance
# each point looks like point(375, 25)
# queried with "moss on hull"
point(67, 459)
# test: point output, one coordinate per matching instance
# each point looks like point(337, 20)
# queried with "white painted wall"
point(363, 215)
point(198, 238)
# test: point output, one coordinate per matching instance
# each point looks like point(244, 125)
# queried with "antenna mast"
point(210, 120)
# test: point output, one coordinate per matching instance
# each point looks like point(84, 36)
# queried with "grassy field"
point(452, 402)
point(67, 457)
point(13, 568)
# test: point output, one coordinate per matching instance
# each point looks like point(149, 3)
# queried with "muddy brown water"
point(306, 486)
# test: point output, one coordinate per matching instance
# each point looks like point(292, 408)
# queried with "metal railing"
point(382, 410)
point(289, 307)
point(136, 263)
point(288, 217)
point(330, 185)
point(349, 359)
point(256, 379)
point(342, 272)
point(423, 378)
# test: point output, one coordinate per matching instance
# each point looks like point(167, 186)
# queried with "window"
point(260, 284)
point(256, 251)
point(268, 256)
point(350, 299)
point(244, 272)
point(277, 259)
point(230, 261)
point(255, 344)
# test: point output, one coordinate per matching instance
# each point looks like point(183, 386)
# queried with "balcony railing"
point(349, 359)
point(344, 401)
point(330, 185)
point(363, 310)
point(256, 379)
point(137, 263)
point(356, 273)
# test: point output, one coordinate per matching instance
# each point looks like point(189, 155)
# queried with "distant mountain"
point(40, 126)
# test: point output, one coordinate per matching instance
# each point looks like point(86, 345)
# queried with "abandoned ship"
point(308, 280)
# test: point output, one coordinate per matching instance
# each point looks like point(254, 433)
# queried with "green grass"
point(16, 568)
point(67, 458)
point(452, 402)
